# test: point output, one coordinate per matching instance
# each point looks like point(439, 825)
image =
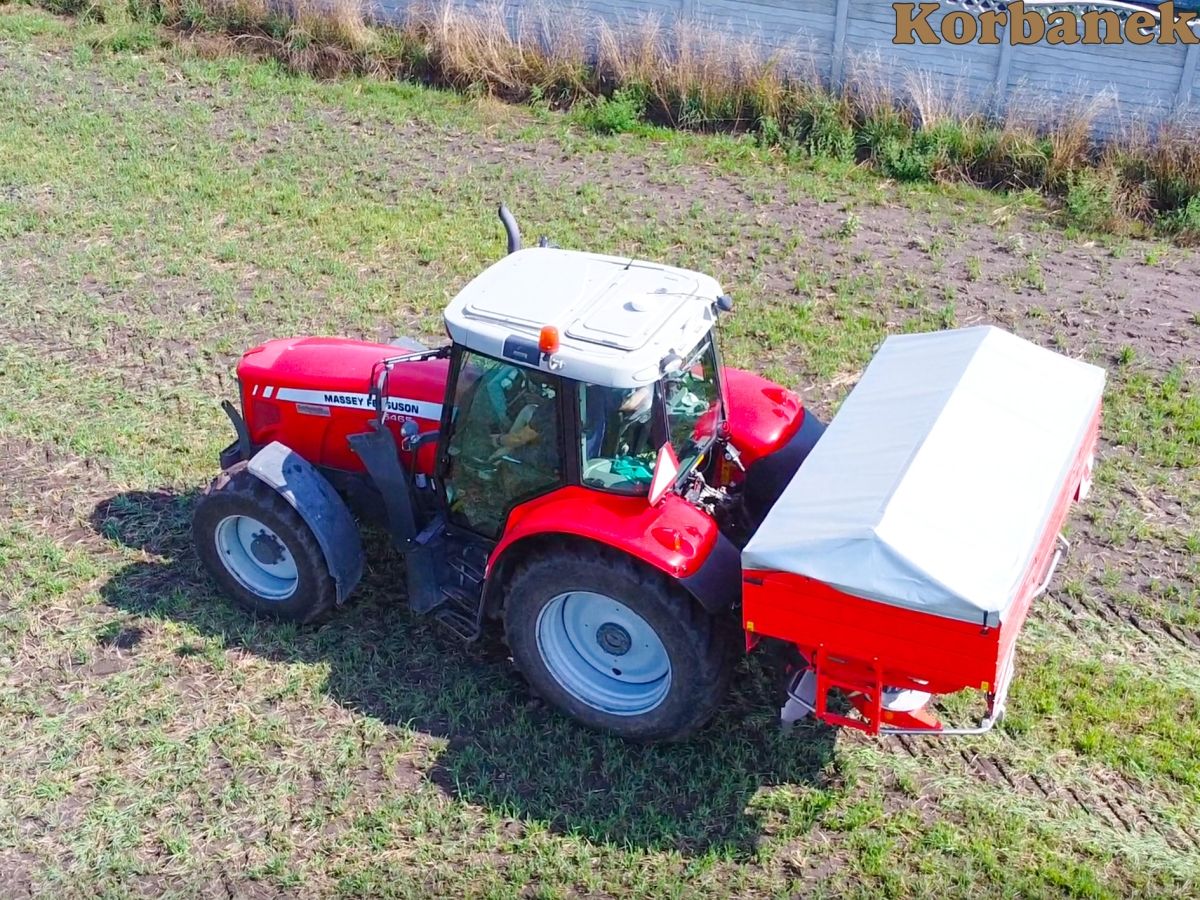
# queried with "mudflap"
point(313, 497)
point(377, 449)
point(717, 584)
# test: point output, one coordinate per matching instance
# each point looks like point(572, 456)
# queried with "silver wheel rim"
point(256, 557)
point(603, 653)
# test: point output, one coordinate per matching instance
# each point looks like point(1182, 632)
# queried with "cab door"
point(503, 440)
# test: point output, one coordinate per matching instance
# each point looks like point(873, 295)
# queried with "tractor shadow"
point(505, 750)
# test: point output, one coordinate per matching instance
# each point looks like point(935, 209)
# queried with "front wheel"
point(259, 549)
point(615, 645)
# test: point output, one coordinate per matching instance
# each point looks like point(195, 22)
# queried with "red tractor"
point(580, 465)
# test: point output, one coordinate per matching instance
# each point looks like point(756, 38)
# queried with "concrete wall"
point(840, 40)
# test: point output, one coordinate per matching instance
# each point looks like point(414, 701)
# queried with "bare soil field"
point(161, 212)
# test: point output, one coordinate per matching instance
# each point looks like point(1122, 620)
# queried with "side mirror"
point(666, 470)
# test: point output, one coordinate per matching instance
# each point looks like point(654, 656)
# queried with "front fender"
point(674, 537)
point(309, 493)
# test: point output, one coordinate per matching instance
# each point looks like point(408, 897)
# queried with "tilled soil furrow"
point(1111, 611)
point(1117, 803)
point(906, 744)
point(1037, 783)
point(1187, 638)
point(1113, 615)
point(1115, 811)
point(52, 490)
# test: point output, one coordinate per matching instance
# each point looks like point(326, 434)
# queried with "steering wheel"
point(517, 393)
point(500, 399)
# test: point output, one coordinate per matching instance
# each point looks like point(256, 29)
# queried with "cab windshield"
point(693, 403)
point(622, 428)
point(619, 437)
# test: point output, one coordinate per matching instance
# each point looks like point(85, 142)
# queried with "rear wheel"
point(615, 645)
point(259, 549)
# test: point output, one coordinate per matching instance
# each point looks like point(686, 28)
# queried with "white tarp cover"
point(933, 483)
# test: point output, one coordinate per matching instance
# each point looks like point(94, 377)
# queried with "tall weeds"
point(691, 75)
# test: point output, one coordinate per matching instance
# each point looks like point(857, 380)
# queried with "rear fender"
point(673, 537)
point(309, 493)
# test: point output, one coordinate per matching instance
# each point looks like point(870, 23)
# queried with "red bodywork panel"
point(859, 644)
point(673, 536)
point(762, 416)
point(311, 394)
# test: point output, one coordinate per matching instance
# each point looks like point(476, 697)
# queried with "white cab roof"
point(617, 318)
point(933, 483)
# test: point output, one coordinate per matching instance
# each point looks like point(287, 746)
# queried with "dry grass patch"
point(911, 125)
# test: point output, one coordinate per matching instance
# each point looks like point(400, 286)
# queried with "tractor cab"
point(576, 369)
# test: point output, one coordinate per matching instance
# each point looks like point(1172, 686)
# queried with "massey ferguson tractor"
point(578, 465)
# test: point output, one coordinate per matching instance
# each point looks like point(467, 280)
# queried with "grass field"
point(160, 212)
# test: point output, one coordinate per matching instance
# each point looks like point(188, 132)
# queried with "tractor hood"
point(933, 486)
point(312, 394)
point(336, 372)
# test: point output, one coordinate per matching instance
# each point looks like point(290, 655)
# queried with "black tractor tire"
point(700, 650)
point(237, 492)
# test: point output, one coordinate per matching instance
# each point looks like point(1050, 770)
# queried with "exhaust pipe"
point(510, 228)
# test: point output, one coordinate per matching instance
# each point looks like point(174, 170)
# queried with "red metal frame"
point(860, 646)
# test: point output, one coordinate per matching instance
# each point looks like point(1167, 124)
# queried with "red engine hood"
point(311, 394)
